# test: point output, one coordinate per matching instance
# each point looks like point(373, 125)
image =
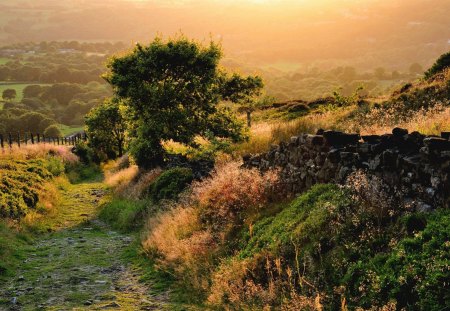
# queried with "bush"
point(52, 131)
point(20, 185)
point(55, 166)
point(440, 65)
point(188, 238)
point(124, 215)
point(171, 183)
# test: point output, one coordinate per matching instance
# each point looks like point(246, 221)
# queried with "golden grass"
point(27, 152)
point(119, 178)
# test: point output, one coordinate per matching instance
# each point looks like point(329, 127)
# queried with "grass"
point(123, 214)
point(4, 60)
point(67, 130)
point(18, 87)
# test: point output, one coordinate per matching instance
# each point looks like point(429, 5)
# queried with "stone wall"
point(415, 164)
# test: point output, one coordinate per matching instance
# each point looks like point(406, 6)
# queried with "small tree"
point(53, 131)
point(245, 92)
point(9, 94)
point(440, 65)
point(172, 89)
point(106, 128)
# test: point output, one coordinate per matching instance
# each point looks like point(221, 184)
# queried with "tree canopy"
point(9, 94)
point(441, 63)
point(172, 89)
point(106, 128)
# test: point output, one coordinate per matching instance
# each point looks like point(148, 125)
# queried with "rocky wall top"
point(413, 163)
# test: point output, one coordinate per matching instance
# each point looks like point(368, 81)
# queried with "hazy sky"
point(265, 32)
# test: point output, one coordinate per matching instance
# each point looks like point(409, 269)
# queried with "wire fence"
point(28, 138)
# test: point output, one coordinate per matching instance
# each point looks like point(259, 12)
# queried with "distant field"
point(4, 60)
point(17, 86)
point(68, 130)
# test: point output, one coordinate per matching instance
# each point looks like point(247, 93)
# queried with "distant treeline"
point(56, 62)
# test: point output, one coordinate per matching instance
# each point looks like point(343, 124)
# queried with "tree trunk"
point(249, 118)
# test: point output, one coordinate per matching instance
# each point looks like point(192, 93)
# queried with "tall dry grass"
point(188, 236)
point(429, 121)
point(27, 152)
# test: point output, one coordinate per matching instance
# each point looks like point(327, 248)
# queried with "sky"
point(279, 33)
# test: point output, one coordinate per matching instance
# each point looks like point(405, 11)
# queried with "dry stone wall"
point(415, 164)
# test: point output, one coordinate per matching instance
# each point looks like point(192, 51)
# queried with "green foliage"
point(334, 244)
point(440, 65)
point(171, 183)
point(9, 94)
point(79, 172)
point(11, 245)
point(106, 128)
point(53, 131)
point(123, 214)
point(171, 89)
point(414, 273)
point(20, 184)
point(55, 166)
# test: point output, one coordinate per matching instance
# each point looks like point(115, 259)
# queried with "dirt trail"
point(80, 266)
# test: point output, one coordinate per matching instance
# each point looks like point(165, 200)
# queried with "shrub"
point(53, 131)
point(20, 185)
point(440, 65)
point(124, 215)
point(171, 183)
point(188, 237)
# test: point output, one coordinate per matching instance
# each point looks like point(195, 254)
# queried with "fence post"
point(10, 139)
point(26, 138)
point(1, 141)
point(38, 138)
point(18, 139)
point(32, 138)
point(43, 138)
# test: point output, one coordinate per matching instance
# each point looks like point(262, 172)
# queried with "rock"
point(423, 207)
point(335, 138)
point(14, 300)
point(437, 143)
point(445, 135)
point(315, 140)
point(371, 139)
point(21, 278)
point(399, 132)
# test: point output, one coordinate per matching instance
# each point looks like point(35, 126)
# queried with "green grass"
point(17, 86)
point(67, 130)
point(124, 215)
point(4, 60)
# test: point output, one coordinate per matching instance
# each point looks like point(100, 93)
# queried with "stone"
point(399, 132)
point(423, 207)
point(445, 135)
point(336, 138)
point(334, 156)
point(371, 139)
point(315, 140)
point(437, 143)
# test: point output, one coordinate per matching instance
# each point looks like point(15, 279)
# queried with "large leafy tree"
point(172, 89)
point(106, 128)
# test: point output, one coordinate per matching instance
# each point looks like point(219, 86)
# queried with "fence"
point(20, 139)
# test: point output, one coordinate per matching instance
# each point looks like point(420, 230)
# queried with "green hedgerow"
point(171, 183)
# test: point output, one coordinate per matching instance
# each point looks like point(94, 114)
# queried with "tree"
point(9, 94)
point(172, 90)
point(53, 131)
point(32, 91)
point(106, 128)
point(244, 91)
point(440, 65)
